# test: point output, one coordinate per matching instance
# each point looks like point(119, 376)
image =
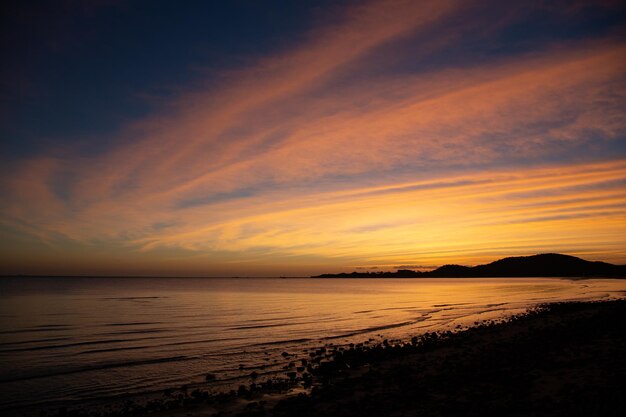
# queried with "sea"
point(88, 340)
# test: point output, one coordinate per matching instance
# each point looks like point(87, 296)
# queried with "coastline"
point(554, 265)
point(562, 359)
point(558, 359)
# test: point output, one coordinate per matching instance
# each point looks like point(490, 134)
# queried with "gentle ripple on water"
point(70, 339)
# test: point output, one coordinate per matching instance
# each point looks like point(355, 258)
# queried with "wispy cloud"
point(329, 150)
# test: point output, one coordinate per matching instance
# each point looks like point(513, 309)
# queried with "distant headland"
point(542, 265)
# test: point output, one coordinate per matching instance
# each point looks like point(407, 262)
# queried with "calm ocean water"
point(66, 340)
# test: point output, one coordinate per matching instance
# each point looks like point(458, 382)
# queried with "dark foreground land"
point(565, 359)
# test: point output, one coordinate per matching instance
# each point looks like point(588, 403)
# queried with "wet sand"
point(566, 359)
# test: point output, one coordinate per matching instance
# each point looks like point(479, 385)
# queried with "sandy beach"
point(564, 359)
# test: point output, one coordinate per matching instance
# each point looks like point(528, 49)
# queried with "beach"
point(94, 342)
point(560, 359)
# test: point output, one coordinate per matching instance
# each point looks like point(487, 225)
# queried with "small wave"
point(145, 331)
point(98, 367)
point(86, 352)
point(132, 323)
point(131, 298)
point(376, 328)
point(450, 305)
point(277, 318)
point(37, 329)
point(25, 342)
point(263, 326)
point(161, 345)
point(76, 344)
point(408, 309)
point(65, 345)
point(282, 342)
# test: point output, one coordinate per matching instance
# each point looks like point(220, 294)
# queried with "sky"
point(267, 138)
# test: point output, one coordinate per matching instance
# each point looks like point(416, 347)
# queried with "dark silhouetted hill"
point(543, 265)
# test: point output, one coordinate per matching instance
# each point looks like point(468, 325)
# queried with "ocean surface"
point(83, 340)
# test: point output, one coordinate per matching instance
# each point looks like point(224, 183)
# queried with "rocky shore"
point(565, 359)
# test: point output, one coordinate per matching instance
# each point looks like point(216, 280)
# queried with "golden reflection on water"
point(84, 338)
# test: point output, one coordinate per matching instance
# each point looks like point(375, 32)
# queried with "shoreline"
point(555, 359)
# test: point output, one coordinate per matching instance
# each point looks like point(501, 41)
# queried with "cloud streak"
point(329, 151)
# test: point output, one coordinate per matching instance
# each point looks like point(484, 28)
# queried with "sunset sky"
point(294, 138)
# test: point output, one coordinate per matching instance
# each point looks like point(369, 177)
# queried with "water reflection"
point(94, 337)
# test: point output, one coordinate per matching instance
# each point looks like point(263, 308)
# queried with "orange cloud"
point(303, 154)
